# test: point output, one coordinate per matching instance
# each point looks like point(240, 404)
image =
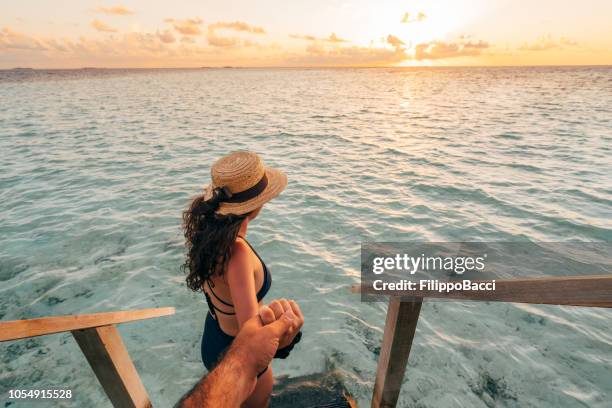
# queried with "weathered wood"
point(320, 390)
point(110, 361)
point(400, 327)
point(592, 291)
point(19, 329)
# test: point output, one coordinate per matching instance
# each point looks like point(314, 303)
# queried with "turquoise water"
point(96, 167)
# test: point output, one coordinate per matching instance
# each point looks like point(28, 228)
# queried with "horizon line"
point(17, 68)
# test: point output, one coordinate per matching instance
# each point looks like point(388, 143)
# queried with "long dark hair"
point(209, 239)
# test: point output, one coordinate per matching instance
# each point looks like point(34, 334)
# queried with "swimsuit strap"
point(212, 306)
point(254, 251)
point(267, 281)
point(215, 295)
point(214, 309)
point(260, 294)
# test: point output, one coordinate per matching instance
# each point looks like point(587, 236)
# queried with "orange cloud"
point(166, 36)
point(333, 38)
point(228, 42)
point(330, 51)
point(406, 19)
point(190, 26)
point(10, 39)
point(394, 41)
point(441, 50)
point(319, 55)
point(163, 48)
point(102, 27)
point(125, 45)
point(223, 42)
point(216, 40)
point(546, 43)
point(303, 37)
point(137, 49)
point(237, 26)
point(118, 10)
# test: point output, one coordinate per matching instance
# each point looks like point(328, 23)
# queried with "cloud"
point(228, 42)
point(441, 50)
point(138, 49)
point(236, 26)
point(320, 55)
point(394, 41)
point(331, 51)
point(10, 39)
point(546, 43)
point(188, 40)
point(480, 45)
point(118, 10)
point(166, 36)
point(190, 26)
point(303, 37)
point(219, 41)
point(102, 27)
point(129, 43)
point(223, 42)
point(333, 38)
point(406, 19)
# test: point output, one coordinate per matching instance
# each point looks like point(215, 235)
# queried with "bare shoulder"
point(240, 262)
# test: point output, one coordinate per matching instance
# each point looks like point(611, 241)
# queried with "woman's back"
point(218, 289)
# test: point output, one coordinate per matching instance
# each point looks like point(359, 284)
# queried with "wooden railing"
point(100, 342)
point(403, 316)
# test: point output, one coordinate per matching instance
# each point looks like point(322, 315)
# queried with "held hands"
point(251, 352)
point(278, 308)
point(260, 336)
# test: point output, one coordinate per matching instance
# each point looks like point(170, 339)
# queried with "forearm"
point(228, 385)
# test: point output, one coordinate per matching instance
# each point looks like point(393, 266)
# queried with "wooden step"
point(320, 390)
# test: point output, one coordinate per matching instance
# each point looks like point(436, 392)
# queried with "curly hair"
point(209, 239)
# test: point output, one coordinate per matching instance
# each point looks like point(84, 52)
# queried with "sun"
point(442, 20)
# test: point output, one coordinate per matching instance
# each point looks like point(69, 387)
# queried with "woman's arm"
point(241, 282)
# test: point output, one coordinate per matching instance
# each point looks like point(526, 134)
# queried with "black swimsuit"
point(267, 283)
point(214, 339)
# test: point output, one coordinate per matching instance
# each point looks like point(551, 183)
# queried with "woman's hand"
point(281, 306)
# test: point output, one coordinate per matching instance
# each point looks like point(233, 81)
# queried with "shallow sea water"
point(96, 167)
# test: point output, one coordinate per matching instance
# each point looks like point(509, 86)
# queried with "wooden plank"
point(400, 327)
point(318, 390)
point(592, 291)
point(19, 329)
point(113, 366)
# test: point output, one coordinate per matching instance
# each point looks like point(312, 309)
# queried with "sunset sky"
point(194, 33)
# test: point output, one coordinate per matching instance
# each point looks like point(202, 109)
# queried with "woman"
point(222, 264)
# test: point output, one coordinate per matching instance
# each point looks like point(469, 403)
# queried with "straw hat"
point(243, 183)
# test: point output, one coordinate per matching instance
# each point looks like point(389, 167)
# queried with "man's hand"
point(278, 307)
point(235, 377)
point(260, 337)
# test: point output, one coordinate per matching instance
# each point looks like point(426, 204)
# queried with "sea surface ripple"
point(96, 167)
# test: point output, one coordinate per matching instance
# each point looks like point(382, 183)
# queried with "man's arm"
point(235, 377)
point(228, 385)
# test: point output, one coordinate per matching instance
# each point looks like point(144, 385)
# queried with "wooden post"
point(113, 366)
point(400, 326)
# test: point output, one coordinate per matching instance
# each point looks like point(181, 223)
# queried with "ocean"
point(96, 167)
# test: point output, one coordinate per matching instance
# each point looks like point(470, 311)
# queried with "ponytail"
point(209, 237)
